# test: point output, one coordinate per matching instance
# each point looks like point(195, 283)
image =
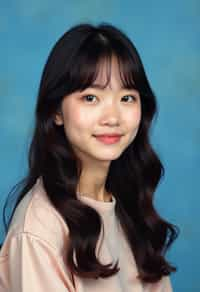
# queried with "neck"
point(92, 184)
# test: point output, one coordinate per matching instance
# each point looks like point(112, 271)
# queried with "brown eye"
point(130, 97)
point(89, 97)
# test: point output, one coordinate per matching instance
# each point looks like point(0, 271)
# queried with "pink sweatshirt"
point(32, 256)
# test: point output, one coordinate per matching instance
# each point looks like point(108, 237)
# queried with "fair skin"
point(113, 109)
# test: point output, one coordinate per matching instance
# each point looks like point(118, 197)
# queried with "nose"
point(111, 115)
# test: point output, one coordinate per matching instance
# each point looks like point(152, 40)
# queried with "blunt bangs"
point(94, 53)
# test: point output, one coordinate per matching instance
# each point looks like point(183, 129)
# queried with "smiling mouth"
point(107, 139)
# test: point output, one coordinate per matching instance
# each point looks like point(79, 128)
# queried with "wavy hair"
point(73, 64)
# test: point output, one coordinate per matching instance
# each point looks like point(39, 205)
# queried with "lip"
point(108, 139)
point(109, 135)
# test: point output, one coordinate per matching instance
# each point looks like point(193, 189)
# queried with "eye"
point(89, 97)
point(133, 98)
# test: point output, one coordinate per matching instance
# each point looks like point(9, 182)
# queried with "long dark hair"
point(73, 64)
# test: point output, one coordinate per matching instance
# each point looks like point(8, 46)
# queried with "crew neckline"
point(101, 206)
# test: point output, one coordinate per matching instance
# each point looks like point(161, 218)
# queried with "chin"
point(108, 157)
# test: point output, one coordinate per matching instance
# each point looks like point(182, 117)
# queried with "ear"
point(58, 119)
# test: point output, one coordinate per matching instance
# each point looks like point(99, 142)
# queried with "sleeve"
point(167, 286)
point(34, 265)
point(163, 285)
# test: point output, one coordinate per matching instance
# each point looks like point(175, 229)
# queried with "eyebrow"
point(101, 87)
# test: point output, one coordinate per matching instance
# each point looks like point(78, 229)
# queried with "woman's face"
point(97, 111)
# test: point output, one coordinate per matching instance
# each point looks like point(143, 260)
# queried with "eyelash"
point(84, 96)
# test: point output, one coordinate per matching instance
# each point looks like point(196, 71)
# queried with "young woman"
point(84, 218)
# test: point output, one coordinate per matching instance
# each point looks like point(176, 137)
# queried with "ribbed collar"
point(101, 206)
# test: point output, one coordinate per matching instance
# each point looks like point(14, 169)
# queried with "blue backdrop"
point(167, 36)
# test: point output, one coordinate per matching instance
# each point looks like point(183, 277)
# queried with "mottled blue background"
point(167, 36)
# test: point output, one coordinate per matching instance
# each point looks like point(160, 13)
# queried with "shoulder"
point(163, 285)
point(36, 216)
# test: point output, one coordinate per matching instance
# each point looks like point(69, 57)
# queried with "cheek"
point(133, 118)
point(78, 120)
